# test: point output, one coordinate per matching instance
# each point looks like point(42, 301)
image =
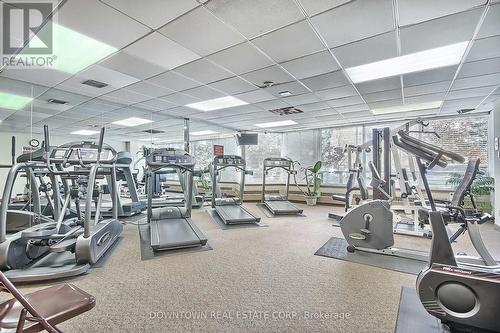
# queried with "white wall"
point(495, 160)
point(22, 139)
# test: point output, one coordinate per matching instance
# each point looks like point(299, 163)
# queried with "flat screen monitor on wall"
point(247, 139)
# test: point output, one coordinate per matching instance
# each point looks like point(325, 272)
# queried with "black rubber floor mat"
point(337, 248)
point(412, 317)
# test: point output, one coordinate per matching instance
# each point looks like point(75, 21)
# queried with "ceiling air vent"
point(286, 111)
point(95, 84)
point(57, 101)
point(153, 131)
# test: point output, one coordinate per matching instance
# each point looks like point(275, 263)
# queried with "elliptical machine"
point(64, 247)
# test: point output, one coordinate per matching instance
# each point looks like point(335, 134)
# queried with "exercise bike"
point(465, 298)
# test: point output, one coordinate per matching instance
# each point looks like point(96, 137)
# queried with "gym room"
point(250, 166)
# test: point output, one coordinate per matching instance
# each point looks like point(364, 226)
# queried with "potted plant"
point(312, 178)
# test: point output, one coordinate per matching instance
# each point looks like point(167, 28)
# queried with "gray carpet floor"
point(263, 273)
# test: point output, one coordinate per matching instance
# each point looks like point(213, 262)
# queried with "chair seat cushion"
point(56, 304)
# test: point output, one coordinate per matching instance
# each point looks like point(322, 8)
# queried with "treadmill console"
point(82, 152)
point(277, 162)
point(165, 157)
point(229, 160)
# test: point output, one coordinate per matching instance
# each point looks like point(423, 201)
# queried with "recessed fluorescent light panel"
point(409, 107)
point(85, 132)
point(204, 133)
point(217, 104)
point(13, 102)
point(133, 121)
point(415, 62)
point(72, 50)
point(277, 124)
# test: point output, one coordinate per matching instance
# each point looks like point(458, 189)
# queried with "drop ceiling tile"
point(313, 106)
point(201, 32)
point(156, 13)
point(357, 114)
point(411, 12)
point(291, 42)
point(307, 98)
point(71, 99)
point(273, 73)
point(476, 81)
point(181, 99)
point(425, 98)
point(160, 50)
point(335, 93)
point(233, 86)
point(480, 67)
point(463, 103)
point(427, 88)
point(340, 102)
point(314, 7)
point(203, 71)
point(131, 65)
point(484, 49)
point(383, 95)
point(255, 96)
point(444, 31)
point(181, 111)
point(368, 50)
point(434, 75)
point(173, 81)
point(125, 96)
point(354, 21)
point(385, 104)
point(491, 24)
point(21, 88)
point(311, 65)
point(241, 58)
point(149, 89)
point(204, 93)
point(113, 78)
point(362, 108)
point(294, 87)
point(390, 83)
point(100, 106)
point(272, 104)
point(97, 20)
point(325, 81)
point(256, 17)
point(39, 76)
point(468, 93)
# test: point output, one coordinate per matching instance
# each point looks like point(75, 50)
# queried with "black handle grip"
point(101, 141)
point(13, 150)
point(46, 137)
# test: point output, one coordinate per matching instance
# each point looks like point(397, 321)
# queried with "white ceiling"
point(171, 53)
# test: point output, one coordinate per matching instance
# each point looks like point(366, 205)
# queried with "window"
point(269, 146)
point(333, 154)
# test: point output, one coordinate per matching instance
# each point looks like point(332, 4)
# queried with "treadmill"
point(230, 210)
point(171, 227)
point(278, 204)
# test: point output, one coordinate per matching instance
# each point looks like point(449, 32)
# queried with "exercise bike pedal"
point(365, 231)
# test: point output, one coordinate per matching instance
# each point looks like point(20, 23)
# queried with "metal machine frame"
point(171, 227)
point(230, 210)
point(279, 205)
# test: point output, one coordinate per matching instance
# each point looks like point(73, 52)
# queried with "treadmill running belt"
point(174, 234)
point(235, 214)
point(284, 207)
